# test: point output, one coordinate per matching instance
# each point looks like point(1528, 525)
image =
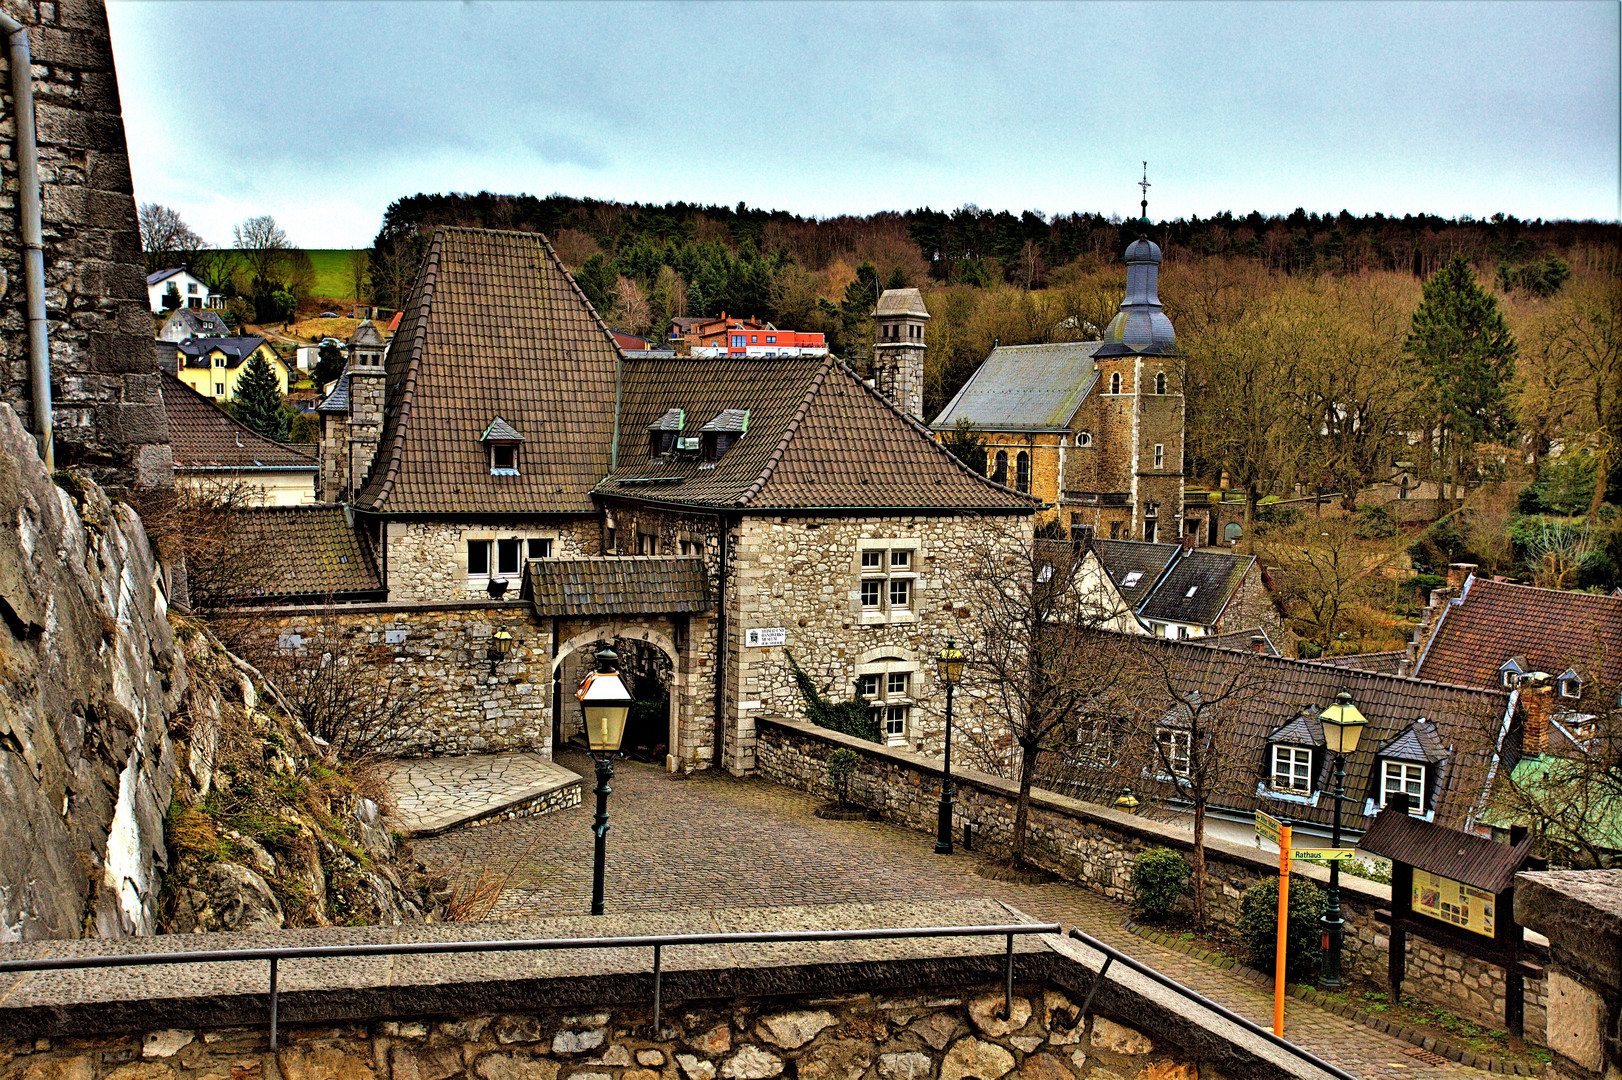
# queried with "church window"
point(1160, 382)
point(999, 471)
point(1160, 455)
point(1115, 382)
point(1022, 471)
point(1084, 438)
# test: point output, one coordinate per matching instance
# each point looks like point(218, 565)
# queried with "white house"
point(193, 293)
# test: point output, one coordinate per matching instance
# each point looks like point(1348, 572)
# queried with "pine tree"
point(1468, 352)
point(259, 401)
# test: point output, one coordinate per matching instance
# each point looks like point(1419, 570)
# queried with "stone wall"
point(109, 417)
point(1580, 911)
point(427, 560)
point(1094, 846)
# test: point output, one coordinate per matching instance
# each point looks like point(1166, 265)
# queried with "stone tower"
point(1141, 380)
point(352, 417)
point(898, 352)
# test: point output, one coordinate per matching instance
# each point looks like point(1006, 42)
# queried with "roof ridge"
point(1359, 672)
point(789, 431)
point(419, 335)
point(546, 245)
point(928, 436)
point(1575, 594)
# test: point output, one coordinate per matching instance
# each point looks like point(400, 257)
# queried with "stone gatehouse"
point(719, 515)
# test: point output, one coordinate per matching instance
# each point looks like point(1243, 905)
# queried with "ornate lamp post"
point(501, 647)
point(1342, 725)
point(605, 701)
point(950, 665)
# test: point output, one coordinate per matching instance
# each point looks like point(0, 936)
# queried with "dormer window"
point(719, 434)
point(501, 441)
point(1292, 768)
point(1132, 579)
point(1405, 778)
point(1510, 672)
point(664, 433)
point(1569, 685)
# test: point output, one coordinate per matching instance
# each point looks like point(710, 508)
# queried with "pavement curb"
point(1429, 1043)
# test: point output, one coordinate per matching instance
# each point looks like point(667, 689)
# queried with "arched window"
point(999, 472)
point(1115, 383)
point(1160, 382)
point(1022, 471)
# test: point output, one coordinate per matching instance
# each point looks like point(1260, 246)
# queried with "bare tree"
point(196, 528)
point(360, 268)
point(1323, 570)
point(1194, 701)
point(1046, 660)
point(631, 306)
point(262, 245)
point(166, 240)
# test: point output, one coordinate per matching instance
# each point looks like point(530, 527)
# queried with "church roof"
point(495, 326)
point(1025, 388)
point(365, 334)
point(816, 437)
point(1140, 328)
point(893, 302)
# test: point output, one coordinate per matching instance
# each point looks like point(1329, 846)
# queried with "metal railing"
point(658, 942)
point(1112, 954)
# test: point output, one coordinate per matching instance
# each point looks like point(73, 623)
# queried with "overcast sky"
point(321, 114)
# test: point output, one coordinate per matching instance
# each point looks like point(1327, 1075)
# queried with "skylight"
point(1192, 589)
point(1133, 578)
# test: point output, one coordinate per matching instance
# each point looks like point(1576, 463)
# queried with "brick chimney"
point(1258, 643)
point(1537, 696)
point(1458, 573)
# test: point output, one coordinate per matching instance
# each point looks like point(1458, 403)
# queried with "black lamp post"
point(604, 701)
point(950, 665)
point(1342, 724)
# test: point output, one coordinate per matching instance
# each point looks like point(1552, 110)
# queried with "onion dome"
point(1141, 327)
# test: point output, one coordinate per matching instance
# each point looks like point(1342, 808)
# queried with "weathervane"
point(1144, 184)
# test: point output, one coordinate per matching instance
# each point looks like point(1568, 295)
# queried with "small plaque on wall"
point(395, 637)
point(765, 637)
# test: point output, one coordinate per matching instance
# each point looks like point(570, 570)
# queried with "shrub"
point(1258, 926)
point(1159, 882)
point(1374, 523)
point(841, 763)
point(1273, 516)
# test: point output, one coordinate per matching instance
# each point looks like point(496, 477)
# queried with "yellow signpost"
point(1310, 854)
point(1267, 826)
point(1283, 838)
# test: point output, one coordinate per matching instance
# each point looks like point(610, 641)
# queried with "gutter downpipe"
point(39, 351)
point(721, 629)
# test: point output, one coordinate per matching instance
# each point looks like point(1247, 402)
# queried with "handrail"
point(1112, 954)
point(658, 942)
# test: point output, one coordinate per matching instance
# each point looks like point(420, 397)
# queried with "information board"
point(1453, 902)
point(765, 636)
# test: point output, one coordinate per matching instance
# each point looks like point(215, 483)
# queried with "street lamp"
point(604, 701)
point(501, 647)
point(950, 665)
point(1342, 725)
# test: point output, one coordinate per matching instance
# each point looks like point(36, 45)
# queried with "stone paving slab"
point(432, 795)
point(717, 842)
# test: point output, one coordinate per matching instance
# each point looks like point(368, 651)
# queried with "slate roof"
point(309, 551)
point(1025, 388)
point(338, 400)
point(625, 585)
point(194, 352)
point(1474, 860)
point(1212, 577)
point(500, 431)
point(162, 275)
point(901, 302)
point(817, 438)
point(1284, 689)
point(1493, 621)
point(202, 436)
point(1419, 742)
point(494, 326)
point(1123, 558)
point(196, 323)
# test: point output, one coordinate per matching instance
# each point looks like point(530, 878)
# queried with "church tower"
point(898, 351)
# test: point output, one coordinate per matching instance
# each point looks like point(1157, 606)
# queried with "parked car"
point(330, 315)
point(332, 341)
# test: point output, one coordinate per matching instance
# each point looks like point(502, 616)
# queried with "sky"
point(321, 114)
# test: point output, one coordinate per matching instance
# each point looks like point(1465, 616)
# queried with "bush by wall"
point(1160, 880)
point(1258, 927)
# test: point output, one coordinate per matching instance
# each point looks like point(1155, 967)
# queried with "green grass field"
point(332, 277)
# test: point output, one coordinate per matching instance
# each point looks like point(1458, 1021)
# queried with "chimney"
point(1458, 573)
point(1188, 542)
point(1537, 694)
point(1258, 643)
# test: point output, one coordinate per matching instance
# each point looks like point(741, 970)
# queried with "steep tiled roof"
point(1123, 558)
point(1554, 630)
point(1197, 588)
point(1385, 662)
point(817, 438)
point(494, 326)
point(616, 586)
point(1281, 690)
point(308, 551)
point(1024, 388)
point(203, 436)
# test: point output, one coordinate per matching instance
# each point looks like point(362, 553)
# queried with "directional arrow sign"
point(1267, 826)
point(1323, 854)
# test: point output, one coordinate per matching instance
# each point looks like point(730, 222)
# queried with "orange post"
point(1283, 928)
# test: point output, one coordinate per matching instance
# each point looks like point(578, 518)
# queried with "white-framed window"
point(887, 684)
point(1160, 455)
point(503, 459)
point(1115, 382)
point(887, 585)
point(1509, 678)
point(478, 558)
point(1292, 768)
point(219, 389)
point(1173, 746)
point(1571, 688)
point(1084, 438)
point(540, 547)
point(1404, 777)
point(507, 555)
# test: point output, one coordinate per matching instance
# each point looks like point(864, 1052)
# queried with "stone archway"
point(653, 661)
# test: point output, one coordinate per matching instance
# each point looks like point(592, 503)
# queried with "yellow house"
point(214, 366)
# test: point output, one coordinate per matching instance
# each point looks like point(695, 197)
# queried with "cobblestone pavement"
point(715, 842)
point(431, 794)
